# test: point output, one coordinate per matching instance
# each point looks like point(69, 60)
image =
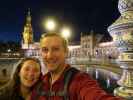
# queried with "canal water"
point(6, 67)
point(106, 79)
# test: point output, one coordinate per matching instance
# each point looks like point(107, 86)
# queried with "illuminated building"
point(91, 46)
point(29, 47)
point(27, 34)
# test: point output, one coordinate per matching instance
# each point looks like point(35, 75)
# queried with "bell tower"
point(27, 35)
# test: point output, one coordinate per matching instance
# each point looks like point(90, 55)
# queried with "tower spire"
point(28, 18)
point(28, 33)
point(28, 11)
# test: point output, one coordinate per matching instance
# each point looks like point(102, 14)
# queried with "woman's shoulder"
point(5, 92)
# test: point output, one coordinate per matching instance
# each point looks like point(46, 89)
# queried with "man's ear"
point(40, 52)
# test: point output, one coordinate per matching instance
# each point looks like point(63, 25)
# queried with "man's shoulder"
point(82, 75)
point(78, 74)
point(81, 79)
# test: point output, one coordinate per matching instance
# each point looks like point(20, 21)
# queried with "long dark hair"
point(15, 75)
point(14, 82)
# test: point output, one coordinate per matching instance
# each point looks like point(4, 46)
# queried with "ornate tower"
point(27, 33)
point(122, 33)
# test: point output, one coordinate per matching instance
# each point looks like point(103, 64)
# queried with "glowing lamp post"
point(66, 33)
point(50, 25)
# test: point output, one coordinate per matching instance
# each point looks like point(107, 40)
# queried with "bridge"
point(107, 64)
point(81, 63)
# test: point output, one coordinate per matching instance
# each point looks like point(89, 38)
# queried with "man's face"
point(53, 52)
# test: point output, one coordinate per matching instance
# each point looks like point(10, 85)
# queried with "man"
point(54, 50)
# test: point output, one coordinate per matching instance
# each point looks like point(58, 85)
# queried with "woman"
point(24, 78)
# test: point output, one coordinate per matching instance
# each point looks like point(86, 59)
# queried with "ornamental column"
point(122, 33)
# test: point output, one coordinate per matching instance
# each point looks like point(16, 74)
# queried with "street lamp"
point(50, 25)
point(8, 50)
point(66, 32)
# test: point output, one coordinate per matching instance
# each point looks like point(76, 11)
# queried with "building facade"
point(91, 47)
point(29, 47)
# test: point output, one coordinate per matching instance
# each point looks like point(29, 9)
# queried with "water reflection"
point(6, 67)
point(108, 82)
point(106, 79)
point(96, 73)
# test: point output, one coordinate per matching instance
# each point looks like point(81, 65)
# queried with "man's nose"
point(50, 54)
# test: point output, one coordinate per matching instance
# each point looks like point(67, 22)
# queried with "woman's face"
point(29, 73)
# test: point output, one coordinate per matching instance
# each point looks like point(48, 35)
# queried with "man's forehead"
point(54, 40)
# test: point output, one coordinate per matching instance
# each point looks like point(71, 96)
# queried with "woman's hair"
point(14, 82)
point(15, 75)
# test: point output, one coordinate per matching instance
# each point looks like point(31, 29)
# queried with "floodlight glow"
point(66, 32)
point(50, 25)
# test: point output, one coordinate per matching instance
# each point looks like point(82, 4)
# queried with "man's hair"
point(64, 41)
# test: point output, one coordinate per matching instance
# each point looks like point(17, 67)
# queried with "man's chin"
point(52, 69)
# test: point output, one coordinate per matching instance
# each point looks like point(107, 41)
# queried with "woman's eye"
point(26, 69)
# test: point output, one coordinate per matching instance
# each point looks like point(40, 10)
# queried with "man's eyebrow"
point(43, 47)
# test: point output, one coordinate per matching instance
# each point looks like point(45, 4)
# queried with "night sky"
point(80, 15)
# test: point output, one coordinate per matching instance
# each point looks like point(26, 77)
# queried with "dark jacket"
point(9, 93)
point(82, 87)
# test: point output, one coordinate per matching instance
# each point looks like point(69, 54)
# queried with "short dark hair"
point(64, 41)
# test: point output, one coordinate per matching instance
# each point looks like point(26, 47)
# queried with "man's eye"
point(55, 49)
point(44, 50)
